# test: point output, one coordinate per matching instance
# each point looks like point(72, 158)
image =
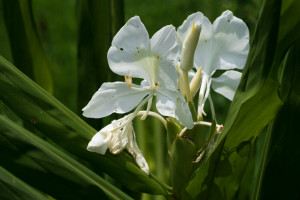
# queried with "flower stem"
point(187, 86)
point(148, 109)
point(197, 123)
point(153, 114)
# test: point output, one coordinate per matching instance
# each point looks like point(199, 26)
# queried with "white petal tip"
point(198, 25)
point(97, 149)
point(228, 14)
point(142, 163)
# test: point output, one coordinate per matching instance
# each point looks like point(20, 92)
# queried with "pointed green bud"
point(189, 47)
point(180, 82)
point(195, 83)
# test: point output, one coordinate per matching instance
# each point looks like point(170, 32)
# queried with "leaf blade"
point(35, 106)
point(14, 188)
point(38, 154)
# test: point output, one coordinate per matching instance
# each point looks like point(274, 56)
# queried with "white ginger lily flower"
point(133, 54)
point(222, 45)
point(117, 140)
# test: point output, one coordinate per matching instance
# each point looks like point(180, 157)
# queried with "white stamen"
point(143, 89)
point(153, 114)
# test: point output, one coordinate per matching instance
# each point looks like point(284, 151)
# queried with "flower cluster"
point(166, 64)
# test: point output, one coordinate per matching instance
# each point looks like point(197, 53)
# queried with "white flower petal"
point(134, 150)
point(100, 141)
point(164, 52)
point(144, 83)
point(226, 47)
point(163, 41)
point(113, 97)
point(171, 103)
point(128, 54)
point(142, 163)
point(227, 83)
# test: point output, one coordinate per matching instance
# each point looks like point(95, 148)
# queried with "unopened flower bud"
point(195, 83)
point(189, 47)
point(128, 80)
point(180, 82)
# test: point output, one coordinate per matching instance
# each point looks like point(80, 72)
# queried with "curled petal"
point(134, 150)
point(115, 145)
point(100, 141)
point(113, 97)
point(227, 83)
point(171, 103)
point(142, 163)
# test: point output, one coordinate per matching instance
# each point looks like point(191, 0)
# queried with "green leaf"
point(173, 129)
point(49, 169)
point(182, 152)
point(27, 51)
point(255, 104)
point(282, 150)
point(212, 129)
point(256, 101)
point(203, 178)
point(37, 107)
point(247, 184)
point(13, 188)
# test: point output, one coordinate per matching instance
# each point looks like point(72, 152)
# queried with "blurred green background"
point(76, 35)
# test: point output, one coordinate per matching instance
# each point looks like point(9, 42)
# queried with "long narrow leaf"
point(37, 107)
point(13, 188)
point(281, 152)
point(49, 169)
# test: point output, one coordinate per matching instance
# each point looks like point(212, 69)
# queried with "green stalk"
point(159, 155)
point(187, 86)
